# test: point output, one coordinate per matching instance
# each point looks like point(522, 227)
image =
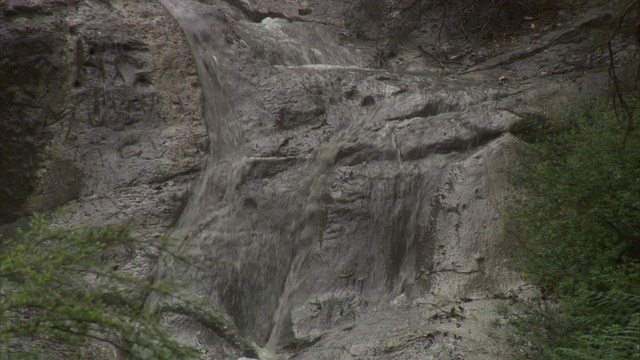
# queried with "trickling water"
point(292, 283)
point(315, 207)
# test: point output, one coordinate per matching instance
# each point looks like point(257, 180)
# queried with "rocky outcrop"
point(100, 114)
point(101, 108)
point(341, 210)
point(339, 196)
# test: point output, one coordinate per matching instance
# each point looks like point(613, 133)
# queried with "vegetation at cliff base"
point(61, 290)
point(576, 233)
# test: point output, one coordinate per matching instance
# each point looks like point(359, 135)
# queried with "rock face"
point(343, 207)
point(342, 211)
point(101, 107)
point(100, 112)
point(29, 100)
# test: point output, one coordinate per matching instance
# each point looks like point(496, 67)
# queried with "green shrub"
point(59, 289)
point(576, 234)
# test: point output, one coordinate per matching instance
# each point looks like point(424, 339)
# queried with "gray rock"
point(335, 210)
point(340, 197)
point(100, 111)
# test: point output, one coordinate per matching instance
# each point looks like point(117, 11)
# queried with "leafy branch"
point(60, 287)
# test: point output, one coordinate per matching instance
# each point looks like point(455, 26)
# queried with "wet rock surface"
point(336, 191)
point(340, 211)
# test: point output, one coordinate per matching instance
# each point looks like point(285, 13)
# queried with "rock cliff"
point(339, 205)
point(101, 112)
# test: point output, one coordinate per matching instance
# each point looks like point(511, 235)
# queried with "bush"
point(576, 234)
point(59, 289)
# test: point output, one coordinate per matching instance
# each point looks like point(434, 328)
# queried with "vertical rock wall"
point(344, 207)
point(101, 104)
point(341, 211)
point(332, 189)
point(100, 111)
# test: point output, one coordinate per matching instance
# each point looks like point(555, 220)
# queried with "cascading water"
point(322, 199)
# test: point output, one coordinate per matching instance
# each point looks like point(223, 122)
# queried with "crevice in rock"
point(459, 272)
point(431, 108)
point(425, 340)
point(219, 323)
point(354, 154)
point(455, 145)
point(268, 166)
point(162, 179)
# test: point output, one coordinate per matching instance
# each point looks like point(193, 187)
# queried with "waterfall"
point(316, 208)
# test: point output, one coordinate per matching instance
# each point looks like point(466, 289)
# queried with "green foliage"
point(576, 232)
point(60, 288)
